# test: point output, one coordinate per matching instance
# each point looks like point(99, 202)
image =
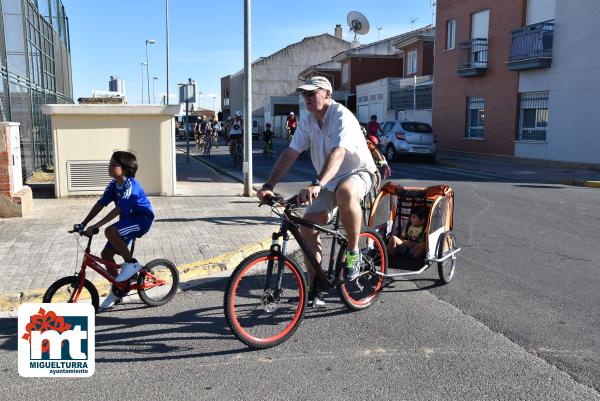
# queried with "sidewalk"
point(521, 169)
point(208, 226)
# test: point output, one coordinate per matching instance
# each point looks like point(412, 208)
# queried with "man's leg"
point(313, 242)
point(350, 212)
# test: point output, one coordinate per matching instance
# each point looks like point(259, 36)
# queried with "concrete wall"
point(93, 133)
point(277, 74)
point(379, 106)
point(573, 83)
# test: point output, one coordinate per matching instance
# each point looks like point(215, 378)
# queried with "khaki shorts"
point(326, 202)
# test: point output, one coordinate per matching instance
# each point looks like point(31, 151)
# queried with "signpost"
point(187, 95)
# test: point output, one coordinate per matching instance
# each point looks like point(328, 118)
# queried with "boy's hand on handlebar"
point(91, 230)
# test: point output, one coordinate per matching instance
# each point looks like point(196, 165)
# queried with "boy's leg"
point(418, 250)
point(112, 235)
point(108, 254)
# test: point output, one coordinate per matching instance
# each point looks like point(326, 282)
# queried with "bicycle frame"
point(101, 267)
point(289, 224)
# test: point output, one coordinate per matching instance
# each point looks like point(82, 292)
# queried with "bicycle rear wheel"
point(362, 292)
point(158, 282)
point(67, 290)
point(260, 313)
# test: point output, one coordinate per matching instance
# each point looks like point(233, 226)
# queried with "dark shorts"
point(131, 227)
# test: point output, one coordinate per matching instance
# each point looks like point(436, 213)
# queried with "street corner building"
point(35, 69)
point(518, 78)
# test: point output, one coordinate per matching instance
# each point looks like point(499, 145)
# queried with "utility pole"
point(247, 168)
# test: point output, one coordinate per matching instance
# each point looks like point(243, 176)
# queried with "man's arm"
point(332, 165)
point(283, 165)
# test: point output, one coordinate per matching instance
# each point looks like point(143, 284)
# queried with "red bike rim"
point(366, 301)
point(297, 314)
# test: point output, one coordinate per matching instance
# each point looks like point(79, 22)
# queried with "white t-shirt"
point(340, 129)
point(236, 128)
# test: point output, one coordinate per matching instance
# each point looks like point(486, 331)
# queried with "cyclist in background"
point(291, 124)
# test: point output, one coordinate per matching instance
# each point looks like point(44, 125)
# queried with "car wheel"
point(390, 154)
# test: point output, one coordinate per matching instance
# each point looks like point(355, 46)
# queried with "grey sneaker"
point(353, 264)
point(109, 301)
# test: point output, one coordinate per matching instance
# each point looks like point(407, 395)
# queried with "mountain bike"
point(156, 284)
point(266, 295)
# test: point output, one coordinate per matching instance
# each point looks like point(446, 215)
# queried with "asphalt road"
point(518, 322)
point(530, 263)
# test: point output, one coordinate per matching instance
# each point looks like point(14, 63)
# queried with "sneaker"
point(128, 270)
point(109, 301)
point(353, 264)
point(315, 299)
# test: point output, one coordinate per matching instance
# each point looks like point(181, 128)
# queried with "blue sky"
point(206, 37)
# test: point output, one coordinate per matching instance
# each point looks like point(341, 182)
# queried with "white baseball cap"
point(315, 83)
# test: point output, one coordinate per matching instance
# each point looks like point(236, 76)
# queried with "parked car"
point(408, 138)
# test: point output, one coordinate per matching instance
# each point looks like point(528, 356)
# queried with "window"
point(450, 34)
point(387, 127)
point(345, 73)
point(411, 62)
point(533, 116)
point(475, 117)
point(420, 128)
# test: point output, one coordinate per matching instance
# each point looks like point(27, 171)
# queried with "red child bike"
point(156, 283)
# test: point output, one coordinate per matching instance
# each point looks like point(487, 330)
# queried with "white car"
point(408, 138)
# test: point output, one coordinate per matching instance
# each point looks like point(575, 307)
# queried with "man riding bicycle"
point(345, 169)
point(291, 124)
point(235, 132)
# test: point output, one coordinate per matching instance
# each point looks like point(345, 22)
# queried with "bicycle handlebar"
point(279, 200)
point(79, 229)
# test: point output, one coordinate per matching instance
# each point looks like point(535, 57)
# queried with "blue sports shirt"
point(129, 197)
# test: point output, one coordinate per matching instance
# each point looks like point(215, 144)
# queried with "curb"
point(187, 272)
point(581, 183)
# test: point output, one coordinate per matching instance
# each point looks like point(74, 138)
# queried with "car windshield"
point(420, 128)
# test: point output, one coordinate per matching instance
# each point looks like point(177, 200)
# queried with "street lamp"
point(167, 46)
point(214, 110)
point(142, 68)
point(151, 42)
point(154, 79)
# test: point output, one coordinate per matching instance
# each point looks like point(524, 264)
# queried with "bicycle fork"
point(277, 249)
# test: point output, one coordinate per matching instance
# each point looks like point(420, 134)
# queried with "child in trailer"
point(411, 239)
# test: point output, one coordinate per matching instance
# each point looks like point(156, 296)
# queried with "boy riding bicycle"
point(135, 216)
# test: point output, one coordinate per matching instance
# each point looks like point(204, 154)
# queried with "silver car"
point(408, 138)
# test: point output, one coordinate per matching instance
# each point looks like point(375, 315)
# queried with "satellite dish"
point(359, 24)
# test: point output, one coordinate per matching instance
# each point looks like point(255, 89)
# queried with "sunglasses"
point(309, 93)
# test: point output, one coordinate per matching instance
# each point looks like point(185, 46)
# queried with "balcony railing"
point(531, 46)
point(473, 57)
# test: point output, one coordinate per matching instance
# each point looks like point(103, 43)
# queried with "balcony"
point(473, 58)
point(531, 47)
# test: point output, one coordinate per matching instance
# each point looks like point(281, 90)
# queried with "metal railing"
point(473, 54)
point(532, 41)
point(418, 97)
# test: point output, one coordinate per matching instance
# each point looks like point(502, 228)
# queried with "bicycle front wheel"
point(362, 292)
point(67, 290)
point(158, 282)
point(265, 299)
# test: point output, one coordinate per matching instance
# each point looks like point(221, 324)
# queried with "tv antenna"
point(412, 21)
point(379, 29)
point(359, 24)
